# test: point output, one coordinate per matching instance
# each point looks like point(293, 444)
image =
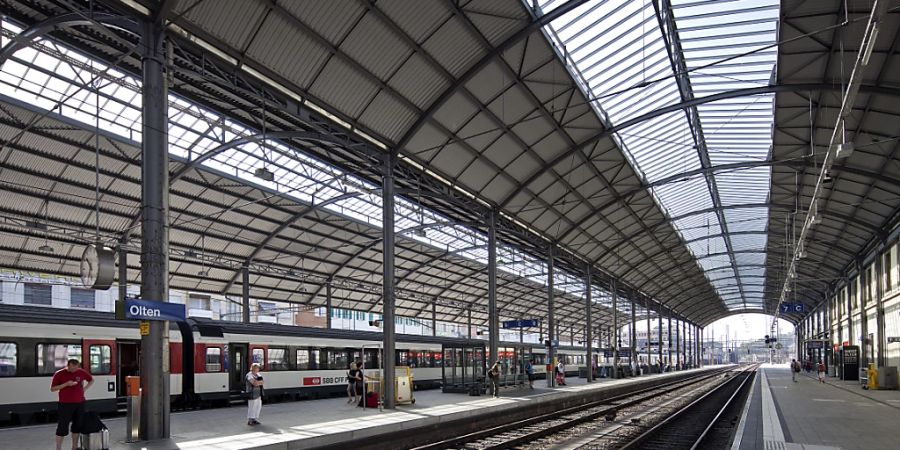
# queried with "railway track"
point(588, 425)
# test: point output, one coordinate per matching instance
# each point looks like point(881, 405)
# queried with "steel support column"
point(863, 316)
point(434, 317)
point(551, 351)
point(328, 305)
point(123, 275)
point(632, 335)
point(659, 341)
point(154, 230)
point(879, 306)
point(390, 362)
point(588, 325)
point(677, 345)
point(493, 319)
point(669, 338)
point(649, 349)
point(469, 321)
point(615, 325)
point(245, 294)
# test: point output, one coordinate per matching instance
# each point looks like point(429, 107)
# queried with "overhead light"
point(814, 217)
point(45, 249)
point(264, 173)
point(827, 179)
point(203, 273)
point(844, 150)
point(36, 225)
point(419, 232)
point(190, 253)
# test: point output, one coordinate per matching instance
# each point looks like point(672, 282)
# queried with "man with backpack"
point(795, 369)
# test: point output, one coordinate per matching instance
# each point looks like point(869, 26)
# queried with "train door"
point(129, 363)
point(237, 366)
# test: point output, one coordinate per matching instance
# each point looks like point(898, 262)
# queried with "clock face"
point(97, 267)
point(89, 265)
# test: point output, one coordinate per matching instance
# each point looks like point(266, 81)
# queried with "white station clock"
point(97, 267)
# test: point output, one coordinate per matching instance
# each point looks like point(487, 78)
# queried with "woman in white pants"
point(254, 389)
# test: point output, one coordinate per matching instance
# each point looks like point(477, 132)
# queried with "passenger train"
point(207, 359)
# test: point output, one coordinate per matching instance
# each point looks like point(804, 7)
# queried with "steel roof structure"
point(664, 144)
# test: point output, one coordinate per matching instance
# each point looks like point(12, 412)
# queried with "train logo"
point(312, 381)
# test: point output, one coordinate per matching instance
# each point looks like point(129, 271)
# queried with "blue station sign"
point(787, 308)
point(153, 310)
point(521, 323)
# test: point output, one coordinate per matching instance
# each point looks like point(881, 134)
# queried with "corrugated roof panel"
point(331, 20)
point(454, 47)
point(232, 21)
point(343, 88)
point(290, 53)
point(376, 47)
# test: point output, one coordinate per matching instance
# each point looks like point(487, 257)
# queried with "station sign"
point(893, 339)
point(521, 323)
point(815, 345)
point(624, 353)
point(139, 309)
point(787, 308)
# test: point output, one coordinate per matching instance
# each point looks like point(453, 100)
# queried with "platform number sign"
point(787, 308)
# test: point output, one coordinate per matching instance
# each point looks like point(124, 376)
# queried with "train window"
point(213, 359)
point(337, 359)
point(314, 360)
point(52, 357)
point(302, 359)
point(402, 358)
point(258, 356)
point(8, 356)
point(100, 359)
point(278, 359)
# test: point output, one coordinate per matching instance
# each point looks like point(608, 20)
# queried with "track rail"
point(689, 426)
point(527, 430)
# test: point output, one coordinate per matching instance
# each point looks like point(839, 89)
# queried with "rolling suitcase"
point(94, 434)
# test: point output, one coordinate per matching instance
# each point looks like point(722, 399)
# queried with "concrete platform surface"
point(304, 424)
point(783, 414)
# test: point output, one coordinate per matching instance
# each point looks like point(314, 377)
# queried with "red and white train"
point(207, 359)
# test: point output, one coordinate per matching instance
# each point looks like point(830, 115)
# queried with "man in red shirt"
point(69, 383)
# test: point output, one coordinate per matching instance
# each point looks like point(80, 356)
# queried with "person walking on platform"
point(795, 369)
point(529, 371)
point(69, 382)
point(255, 390)
point(352, 377)
point(821, 369)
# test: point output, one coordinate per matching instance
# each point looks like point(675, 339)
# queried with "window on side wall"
point(213, 359)
point(38, 294)
point(83, 298)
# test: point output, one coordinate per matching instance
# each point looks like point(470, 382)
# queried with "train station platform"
point(328, 422)
point(809, 415)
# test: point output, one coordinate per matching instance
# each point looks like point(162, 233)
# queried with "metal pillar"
point(659, 340)
point(700, 347)
point(469, 314)
point(154, 231)
point(669, 338)
point(588, 325)
point(879, 306)
point(493, 319)
point(434, 317)
point(390, 361)
point(684, 349)
point(245, 294)
point(632, 336)
point(328, 308)
point(849, 312)
point(863, 317)
point(649, 350)
point(678, 346)
point(123, 274)
point(615, 326)
point(551, 352)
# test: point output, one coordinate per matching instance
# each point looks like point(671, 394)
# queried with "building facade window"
point(38, 294)
point(83, 298)
point(197, 301)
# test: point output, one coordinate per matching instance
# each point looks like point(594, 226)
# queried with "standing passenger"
point(494, 375)
point(254, 388)
point(352, 376)
point(821, 370)
point(561, 373)
point(529, 371)
point(69, 384)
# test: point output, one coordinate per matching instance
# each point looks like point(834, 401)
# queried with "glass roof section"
point(53, 77)
point(620, 54)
